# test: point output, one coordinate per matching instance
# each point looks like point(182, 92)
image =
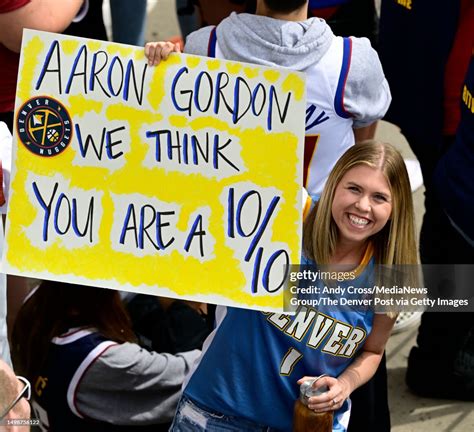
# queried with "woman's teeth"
point(358, 221)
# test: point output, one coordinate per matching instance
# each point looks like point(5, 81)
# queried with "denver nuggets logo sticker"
point(44, 126)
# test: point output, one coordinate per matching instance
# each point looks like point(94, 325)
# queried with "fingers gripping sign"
point(155, 52)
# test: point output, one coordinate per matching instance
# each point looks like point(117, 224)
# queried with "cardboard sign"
point(182, 180)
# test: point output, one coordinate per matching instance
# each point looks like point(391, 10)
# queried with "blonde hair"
point(395, 243)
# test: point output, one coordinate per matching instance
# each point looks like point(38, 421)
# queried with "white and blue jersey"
point(55, 389)
point(329, 125)
point(252, 361)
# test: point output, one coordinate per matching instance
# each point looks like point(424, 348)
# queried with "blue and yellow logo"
point(44, 126)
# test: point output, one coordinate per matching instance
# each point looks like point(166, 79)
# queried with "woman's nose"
point(363, 204)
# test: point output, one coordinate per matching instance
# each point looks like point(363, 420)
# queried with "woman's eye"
point(353, 188)
point(380, 198)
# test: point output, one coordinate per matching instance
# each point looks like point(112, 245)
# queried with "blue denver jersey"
point(252, 360)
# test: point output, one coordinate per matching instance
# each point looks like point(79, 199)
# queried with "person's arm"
point(137, 387)
point(361, 370)
point(44, 15)
point(365, 133)
point(366, 93)
point(11, 387)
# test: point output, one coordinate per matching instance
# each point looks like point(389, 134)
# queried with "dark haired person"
point(426, 69)
point(348, 17)
point(76, 346)
point(454, 185)
point(345, 17)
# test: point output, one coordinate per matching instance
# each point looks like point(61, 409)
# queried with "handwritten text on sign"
point(181, 180)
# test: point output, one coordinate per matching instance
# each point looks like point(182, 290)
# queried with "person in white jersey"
point(346, 88)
